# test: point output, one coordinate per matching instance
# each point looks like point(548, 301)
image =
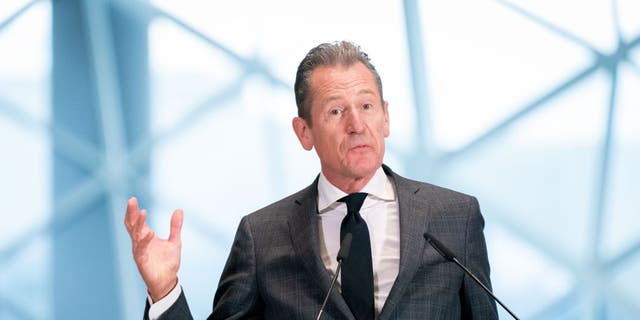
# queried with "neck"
point(350, 185)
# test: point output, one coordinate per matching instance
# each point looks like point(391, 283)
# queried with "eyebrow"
point(366, 91)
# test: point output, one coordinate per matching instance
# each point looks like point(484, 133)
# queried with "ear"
point(303, 132)
point(386, 118)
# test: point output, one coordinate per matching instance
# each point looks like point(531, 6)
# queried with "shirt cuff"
point(162, 305)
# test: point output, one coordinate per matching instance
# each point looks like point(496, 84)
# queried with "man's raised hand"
point(157, 259)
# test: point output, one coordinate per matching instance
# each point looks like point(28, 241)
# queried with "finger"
point(141, 249)
point(131, 214)
point(143, 243)
point(138, 226)
point(176, 225)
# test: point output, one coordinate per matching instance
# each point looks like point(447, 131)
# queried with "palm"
point(160, 260)
point(157, 259)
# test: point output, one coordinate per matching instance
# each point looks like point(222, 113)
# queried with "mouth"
point(360, 147)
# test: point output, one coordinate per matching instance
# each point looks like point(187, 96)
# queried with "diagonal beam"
point(254, 65)
point(17, 14)
point(75, 148)
point(624, 48)
point(197, 221)
point(142, 149)
point(550, 26)
point(517, 116)
point(15, 310)
point(625, 302)
point(66, 211)
point(633, 43)
point(559, 306)
point(526, 235)
point(620, 260)
point(633, 66)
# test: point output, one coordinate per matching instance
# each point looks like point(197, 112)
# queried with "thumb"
point(176, 225)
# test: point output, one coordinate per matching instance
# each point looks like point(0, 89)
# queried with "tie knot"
point(354, 201)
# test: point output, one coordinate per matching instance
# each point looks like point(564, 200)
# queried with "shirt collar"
point(379, 186)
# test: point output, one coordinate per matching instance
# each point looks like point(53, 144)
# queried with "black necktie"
point(357, 269)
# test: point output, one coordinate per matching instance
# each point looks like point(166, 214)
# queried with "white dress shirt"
point(380, 212)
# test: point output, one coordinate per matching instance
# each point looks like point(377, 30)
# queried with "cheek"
point(332, 141)
point(329, 145)
point(382, 130)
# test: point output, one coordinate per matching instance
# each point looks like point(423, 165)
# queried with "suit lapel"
point(303, 227)
point(414, 217)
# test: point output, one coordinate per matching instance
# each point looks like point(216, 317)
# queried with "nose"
point(355, 122)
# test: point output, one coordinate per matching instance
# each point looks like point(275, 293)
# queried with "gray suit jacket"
point(274, 270)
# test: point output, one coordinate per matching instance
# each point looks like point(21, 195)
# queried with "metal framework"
point(109, 163)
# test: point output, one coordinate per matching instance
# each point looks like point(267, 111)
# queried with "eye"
point(336, 111)
point(367, 106)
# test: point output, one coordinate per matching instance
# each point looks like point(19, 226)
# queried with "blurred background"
point(532, 106)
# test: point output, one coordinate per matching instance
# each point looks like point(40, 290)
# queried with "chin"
point(364, 168)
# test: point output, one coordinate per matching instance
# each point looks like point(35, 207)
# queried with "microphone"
point(449, 256)
point(343, 253)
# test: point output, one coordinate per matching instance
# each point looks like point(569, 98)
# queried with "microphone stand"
point(449, 256)
point(343, 253)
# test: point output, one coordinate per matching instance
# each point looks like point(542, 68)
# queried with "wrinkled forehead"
point(340, 76)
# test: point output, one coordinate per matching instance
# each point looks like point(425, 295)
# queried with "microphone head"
point(442, 250)
point(345, 246)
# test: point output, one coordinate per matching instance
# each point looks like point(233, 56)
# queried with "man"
point(284, 255)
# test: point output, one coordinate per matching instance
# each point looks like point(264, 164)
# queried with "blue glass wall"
point(530, 106)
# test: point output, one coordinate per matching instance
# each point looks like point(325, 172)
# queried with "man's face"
point(349, 122)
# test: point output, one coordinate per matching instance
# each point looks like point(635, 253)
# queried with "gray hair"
point(341, 53)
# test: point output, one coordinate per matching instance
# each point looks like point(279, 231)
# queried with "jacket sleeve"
point(179, 310)
point(238, 295)
point(476, 304)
